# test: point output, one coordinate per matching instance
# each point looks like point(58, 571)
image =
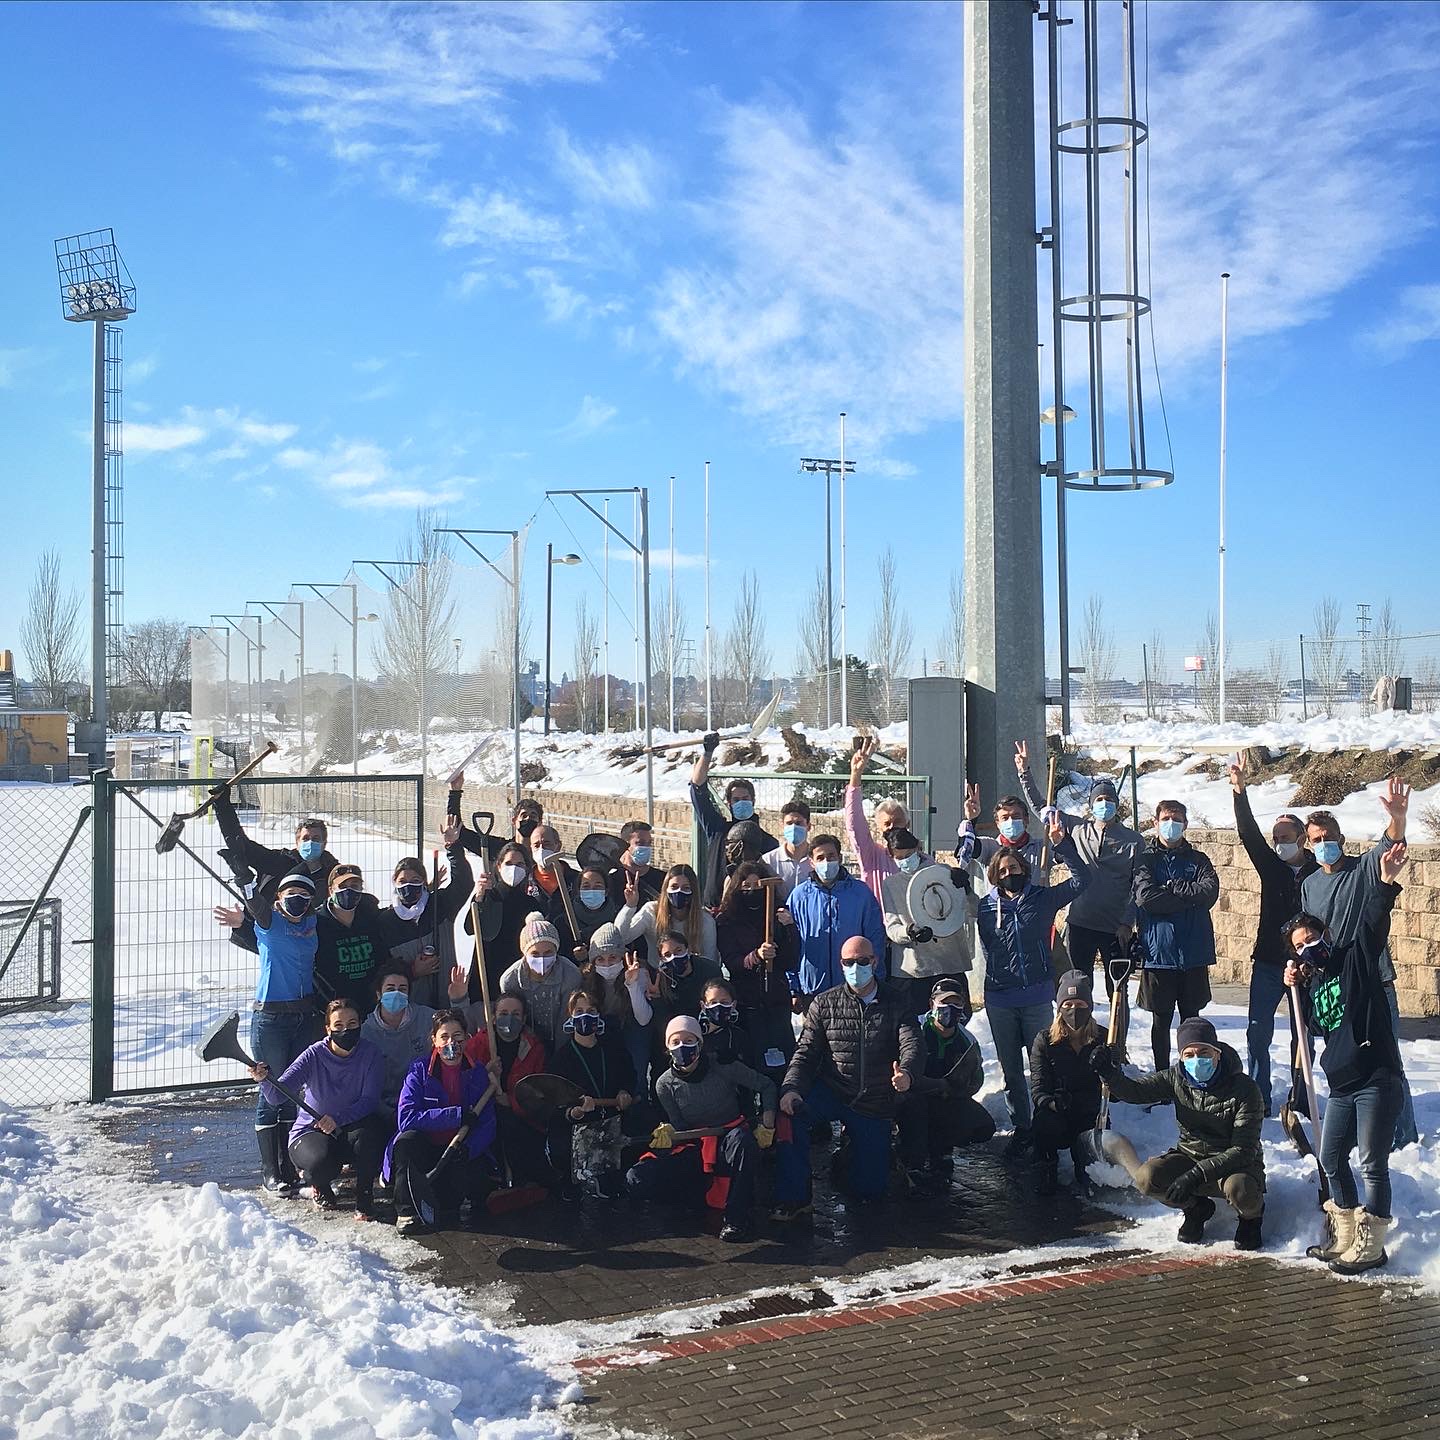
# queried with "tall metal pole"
point(670, 645)
point(355, 680)
point(649, 728)
point(515, 675)
point(1224, 399)
point(1062, 558)
point(829, 613)
point(709, 659)
point(99, 584)
point(549, 598)
point(844, 651)
point(607, 619)
point(424, 669)
point(300, 605)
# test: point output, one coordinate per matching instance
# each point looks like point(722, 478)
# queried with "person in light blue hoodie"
point(829, 909)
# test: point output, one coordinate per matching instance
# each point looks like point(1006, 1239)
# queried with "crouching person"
point(940, 1111)
point(716, 1167)
point(435, 1101)
point(857, 1056)
point(1064, 1087)
point(1218, 1109)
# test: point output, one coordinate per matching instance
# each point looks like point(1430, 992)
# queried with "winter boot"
point(1017, 1144)
point(1047, 1178)
point(289, 1175)
point(1341, 1223)
point(268, 1139)
point(1192, 1231)
point(1367, 1250)
point(1247, 1232)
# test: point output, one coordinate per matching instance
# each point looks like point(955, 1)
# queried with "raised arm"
point(1262, 857)
point(1396, 804)
point(1028, 788)
point(857, 829)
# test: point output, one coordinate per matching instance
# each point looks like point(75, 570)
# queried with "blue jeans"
point(1267, 992)
point(638, 1041)
point(276, 1038)
point(869, 1149)
point(1365, 1118)
point(1013, 1029)
point(1405, 1131)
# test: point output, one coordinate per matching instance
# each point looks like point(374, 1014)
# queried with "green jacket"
point(1219, 1125)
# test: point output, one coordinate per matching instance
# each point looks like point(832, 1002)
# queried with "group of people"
point(615, 1027)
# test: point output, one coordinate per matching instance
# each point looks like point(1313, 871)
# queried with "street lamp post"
point(299, 634)
point(353, 620)
point(238, 623)
point(1062, 559)
point(551, 561)
point(829, 468)
point(423, 632)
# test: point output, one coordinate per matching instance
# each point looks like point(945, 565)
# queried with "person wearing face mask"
point(442, 1086)
point(697, 1092)
point(1012, 832)
point(1102, 921)
point(339, 1078)
point(890, 814)
point(940, 1111)
point(637, 864)
point(543, 976)
point(282, 1020)
point(350, 941)
point(506, 897)
point(618, 983)
point(790, 860)
point(549, 877)
point(418, 925)
point(1218, 1112)
point(1342, 990)
point(1282, 863)
point(726, 1041)
point(727, 842)
point(524, 817)
point(829, 909)
point(677, 908)
point(918, 956)
point(1175, 889)
point(597, 908)
point(759, 972)
point(1013, 922)
point(1339, 892)
point(399, 1030)
point(585, 1140)
point(680, 983)
point(858, 1055)
point(1064, 1088)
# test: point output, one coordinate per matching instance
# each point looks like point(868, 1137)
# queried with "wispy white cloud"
point(194, 425)
point(369, 365)
point(563, 302)
point(12, 362)
point(363, 475)
point(492, 217)
point(625, 176)
point(1414, 319)
point(140, 369)
point(592, 415)
point(145, 439)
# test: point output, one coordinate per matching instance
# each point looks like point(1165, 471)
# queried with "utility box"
point(937, 749)
point(1404, 693)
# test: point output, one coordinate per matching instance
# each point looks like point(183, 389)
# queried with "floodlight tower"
point(96, 287)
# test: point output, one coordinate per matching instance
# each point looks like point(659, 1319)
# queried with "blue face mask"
point(717, 1017)
point(827, 870)
point(643, 854)
point(682, 1057)
point(585, 1022)
point(1328, 852)
point(295, 906)
point(947, 1017)
point(909, 864)
point(795, 834)
point(1200, 1068)
point(1171, 830)
point(310, 849)
point(1103, 810)
point(742, 809)
point(680, 899)
point(675, 966)
point(346, 899)
point(592, 899)
point(394, 1001)
point(1012, 830)
point(858, 976)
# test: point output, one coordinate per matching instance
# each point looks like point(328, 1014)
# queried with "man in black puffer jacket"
point(857, 1057)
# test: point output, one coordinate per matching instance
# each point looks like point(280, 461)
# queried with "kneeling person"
point(719, 1167)
point(1064, 1087)
point(1218, 1109)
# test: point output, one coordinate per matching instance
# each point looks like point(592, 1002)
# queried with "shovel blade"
point(1108, 1147)
point(170, 835)
point(222, 1042)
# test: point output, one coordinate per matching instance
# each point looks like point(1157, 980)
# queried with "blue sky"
point(389, 255)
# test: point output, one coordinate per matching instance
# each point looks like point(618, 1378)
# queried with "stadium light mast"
point(96, 288)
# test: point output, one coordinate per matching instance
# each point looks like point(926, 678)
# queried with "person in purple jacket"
point(434, 1102)
point(339, 1078)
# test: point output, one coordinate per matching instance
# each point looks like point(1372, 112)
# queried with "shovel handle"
point(565, 899)
point(464, 1130)
point(232, 780)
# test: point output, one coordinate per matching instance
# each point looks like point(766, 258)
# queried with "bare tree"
point(810, 658)
point(414, 644)
point(1097, 655)
point(1207, 682)
point(155, 665)
point(587, 650)
point(1277, 674)
point(665, 658)
point(1325, 657)
point(950, 645)
point(50, 634)
point(1385, 643)
point(500, 681)
point(1157, 659)
point(746, 653)
point(891, 637)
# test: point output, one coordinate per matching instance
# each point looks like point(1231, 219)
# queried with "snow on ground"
point(1390, 730)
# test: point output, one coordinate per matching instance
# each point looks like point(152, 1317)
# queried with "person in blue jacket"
point(1174, 887)
point(435, 1101)
point(829, 909)
point(1014, 921)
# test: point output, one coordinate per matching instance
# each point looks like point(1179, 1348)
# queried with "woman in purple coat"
point(435, 1102)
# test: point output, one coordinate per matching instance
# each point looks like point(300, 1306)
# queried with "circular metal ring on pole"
point(1135, 306)
point(1134, 478)
point(1139, 133)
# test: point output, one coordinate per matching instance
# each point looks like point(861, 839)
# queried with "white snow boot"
point(1341, 1223)
point(1367, 1250)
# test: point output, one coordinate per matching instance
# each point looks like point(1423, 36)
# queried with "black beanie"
point(1196, 1032)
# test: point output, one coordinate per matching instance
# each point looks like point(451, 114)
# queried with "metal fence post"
point(1304, 699)
point(102, 941)
point(420, 816)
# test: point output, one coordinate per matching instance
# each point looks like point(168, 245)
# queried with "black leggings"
point(320, 1157)
point(462, 1179)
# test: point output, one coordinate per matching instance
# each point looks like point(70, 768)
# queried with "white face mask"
point(609, 971)
point(543, 857)
point(513, 874)
point(540, 964)
point(1288, 851)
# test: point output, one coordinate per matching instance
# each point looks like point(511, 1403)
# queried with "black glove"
point(1102, 1060)
point(1049, 1102)
point(711, 743)
point(1183, 1191)
point(920, 934)
point(959, 878)
point(216, 791)
point(1136, 951)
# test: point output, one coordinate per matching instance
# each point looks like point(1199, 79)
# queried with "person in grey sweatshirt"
point(544, 977)
point(399, 1028)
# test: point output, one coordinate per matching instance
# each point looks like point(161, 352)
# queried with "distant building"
point(34, 744)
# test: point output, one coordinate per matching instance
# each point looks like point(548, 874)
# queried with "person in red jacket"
point(519, 1052)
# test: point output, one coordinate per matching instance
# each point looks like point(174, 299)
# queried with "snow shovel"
point(563, 870)
point(1102, 1144)
point(421, 1183)
point(170, 835)
point(757, 728)
point(222, 1042)
point(1289, 1118)
point(538, 1097)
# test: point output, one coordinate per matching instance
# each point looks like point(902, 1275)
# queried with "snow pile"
point(152, 1311)
point(1389, 730)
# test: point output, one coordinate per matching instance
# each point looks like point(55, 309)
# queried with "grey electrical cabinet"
point(937, 749)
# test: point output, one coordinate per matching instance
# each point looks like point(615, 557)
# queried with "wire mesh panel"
point(45, 979)
point(175, 969)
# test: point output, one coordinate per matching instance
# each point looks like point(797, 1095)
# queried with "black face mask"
point(752, 899)
point(295, 906)
point(345, 1039)
point(508, 1027)
point(346, 899)
point(1012, 884)
point(525, 825)
point(409, 894)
